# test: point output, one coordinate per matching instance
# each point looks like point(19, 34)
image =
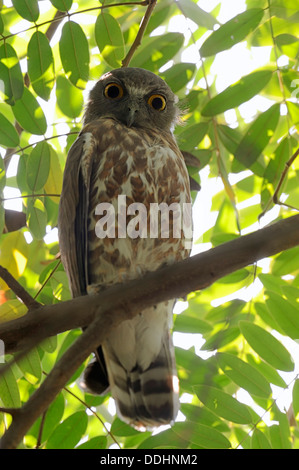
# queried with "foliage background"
point(238, 382)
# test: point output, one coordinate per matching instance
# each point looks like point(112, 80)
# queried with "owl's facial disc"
point(135, 97)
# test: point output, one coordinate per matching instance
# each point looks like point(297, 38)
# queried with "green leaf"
point(67, 434)
point(156, 51)
point(8, 134)
point(69, 98)
point(259, 440)
point(244, 375)
point(196, 14)
point(40, 65)
point(38, 166)
point(223, 404)
point(201, 414)
point(28, 9)
point(286, 262)
point(182, 435)
point(1, 25)
point(62, 5)
point(232, 32)
point(30, 365)
point(37, 218)
point(200, 435)
point(11, 81)
point(277, 438)
point(221, 338)
point(179, 75)
point(98, 442)
point(53, 416)
point(192, 136)
point(268, 347)
point(109, 39)
point(29, 114)
point(258, 136)
point(191, 323)
point(238, 93)
point(74, 53)
point(266, 370)
point(285, 313)
point(9, 390)
point(119, 428)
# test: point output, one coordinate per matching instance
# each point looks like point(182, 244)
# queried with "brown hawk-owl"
point(126, 151)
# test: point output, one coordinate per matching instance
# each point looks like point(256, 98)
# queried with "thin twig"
point(275, 198)
point(59, 18)
point(143, 25)
point(11, 411)
point(19, 290)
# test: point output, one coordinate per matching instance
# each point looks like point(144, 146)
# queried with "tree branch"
point(106, 310)
point(151, 5)
point(19, 290)
point(197, 272)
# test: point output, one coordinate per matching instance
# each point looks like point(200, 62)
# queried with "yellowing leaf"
point(54, 181)
point(13, 255)
point(11, 310)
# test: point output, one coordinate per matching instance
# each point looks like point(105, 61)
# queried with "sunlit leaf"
point(38, 166)
point(69, 98)
point(11, 310)
point(11, 78)
point(258, 136)
point(197, 14)
point(98, 442)
point(223, 404)
point(30, 365)
point(37, 218)
point(236, 94)
point(62, 5)
point(13, 255)
point(9, 391)
point(29, 114)
point(40, 65)
point(179, 75)
point(285, 313)
point(8, 134)
point(28, 9)
point(74, 53)
point(244, 375)
point(259, 440)
point(67, 434)
point(109, 39)
point(157, 50)
point(232, 32)
point(268, 347)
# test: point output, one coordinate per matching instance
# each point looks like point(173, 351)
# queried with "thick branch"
point(197, 272)
point(123, 302)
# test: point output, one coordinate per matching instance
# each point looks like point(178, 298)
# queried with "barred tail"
point(145, 398)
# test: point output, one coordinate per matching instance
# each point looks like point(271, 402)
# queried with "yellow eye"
point(157, 102)
point(113, 91)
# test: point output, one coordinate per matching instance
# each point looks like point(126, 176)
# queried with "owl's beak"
point(132, 114)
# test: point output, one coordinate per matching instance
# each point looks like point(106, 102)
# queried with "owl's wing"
point(72, 220)
point(72, 228)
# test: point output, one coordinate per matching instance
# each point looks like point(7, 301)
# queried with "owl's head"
point(134, 96)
